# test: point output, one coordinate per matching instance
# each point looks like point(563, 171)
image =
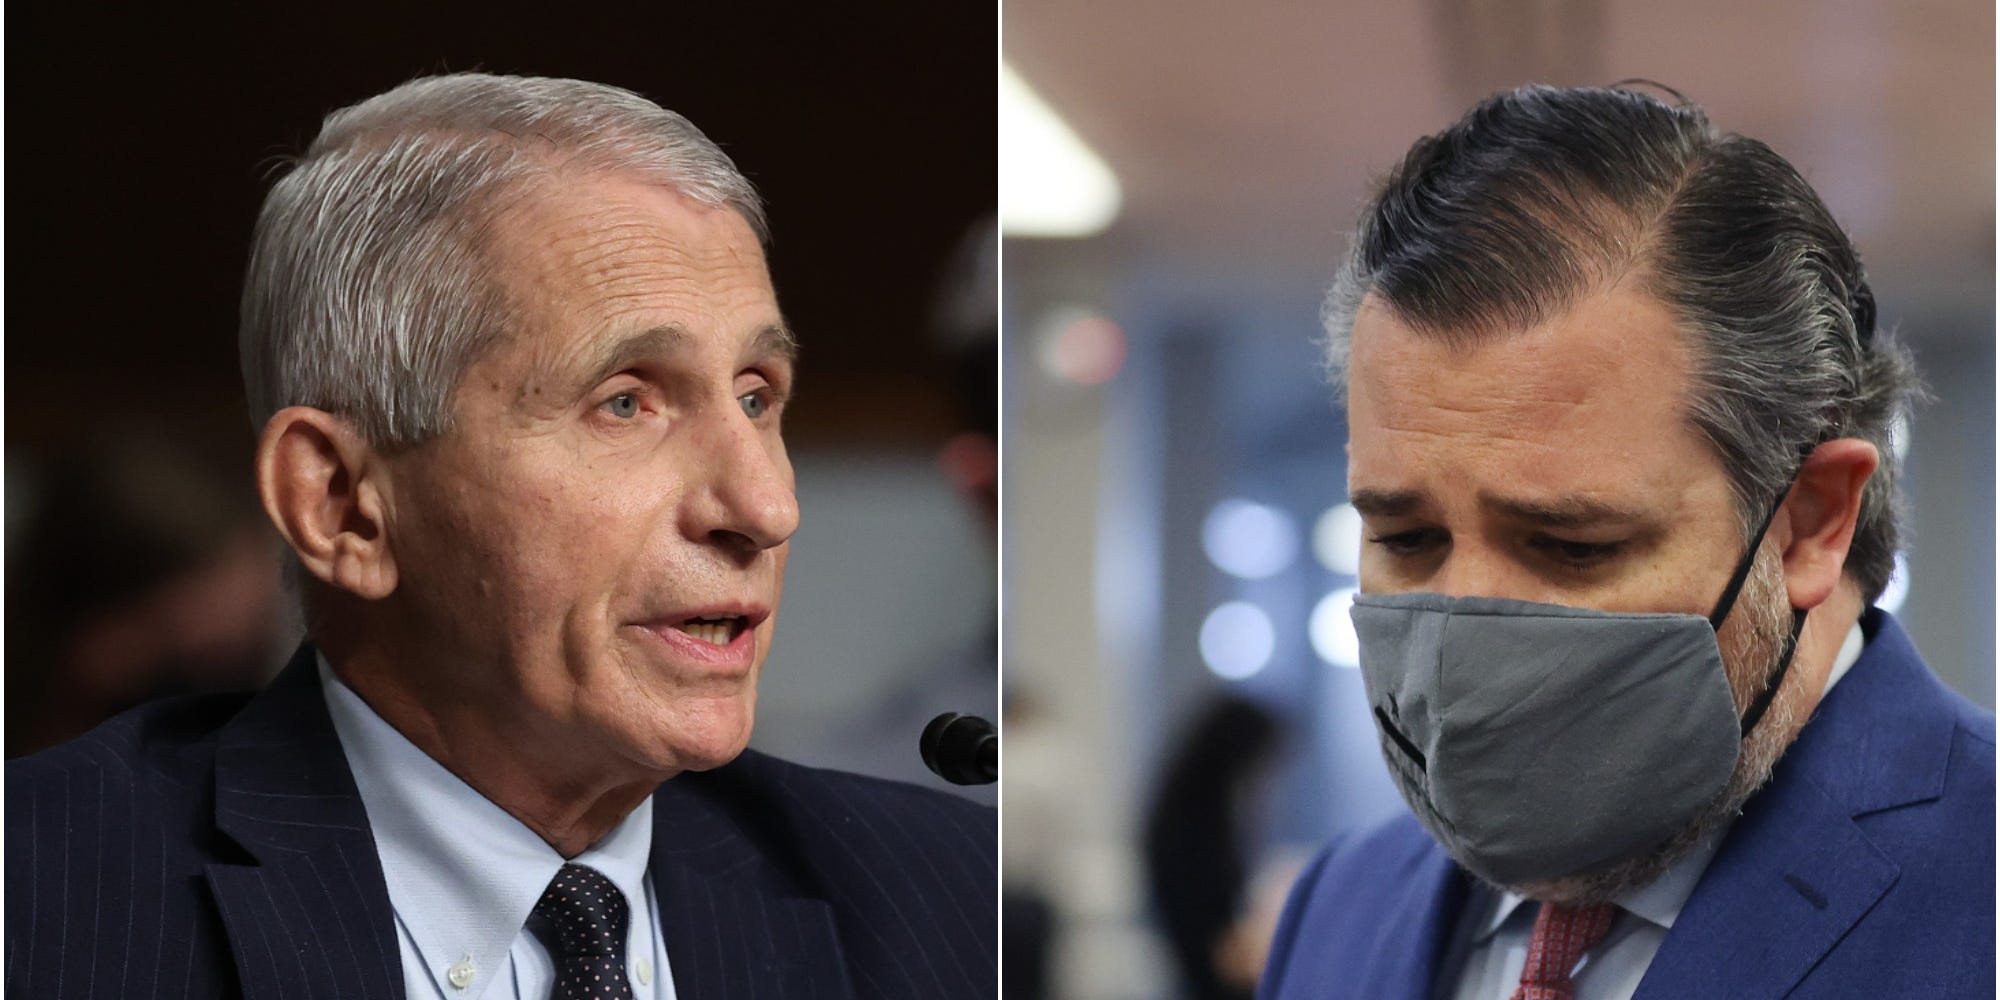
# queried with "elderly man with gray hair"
point(520, 374)
point(1619, 419)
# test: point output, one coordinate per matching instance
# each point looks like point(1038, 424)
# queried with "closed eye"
point(1575, 554)
point(1410, 543)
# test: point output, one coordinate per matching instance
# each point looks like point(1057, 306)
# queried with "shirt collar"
point(463, 875)
point(1657, 902)
point(1850, 651)
point(1660, 901)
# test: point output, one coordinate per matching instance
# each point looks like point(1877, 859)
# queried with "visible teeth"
point(714, 631)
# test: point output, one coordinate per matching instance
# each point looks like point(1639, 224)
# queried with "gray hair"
point(369, 292)
point(1542, 193)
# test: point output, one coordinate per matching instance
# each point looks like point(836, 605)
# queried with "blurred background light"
point(1249, 540)
point(1051, 184)
point(1082, 347)
point(1332, 629)
point(1899, 438)
point(1898, 586)
point(1336, 539)
point(1237, 640)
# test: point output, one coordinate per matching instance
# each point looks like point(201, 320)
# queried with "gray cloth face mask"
point(1537, 741)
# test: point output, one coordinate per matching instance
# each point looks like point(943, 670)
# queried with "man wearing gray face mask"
point(1619, 417)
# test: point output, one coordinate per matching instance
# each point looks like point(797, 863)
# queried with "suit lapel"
point(1798, 871)
point(1790, 881)
point(735, 924)
point(308, 916)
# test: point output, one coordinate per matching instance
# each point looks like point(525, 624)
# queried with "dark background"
point(142, 144)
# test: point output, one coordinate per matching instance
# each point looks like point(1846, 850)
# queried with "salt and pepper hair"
point(370, 287)
point(1541, 195)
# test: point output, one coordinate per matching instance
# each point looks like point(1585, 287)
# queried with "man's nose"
point(1475, 571)
point(747, 501)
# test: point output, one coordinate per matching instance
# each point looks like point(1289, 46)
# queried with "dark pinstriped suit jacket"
point(216, 847)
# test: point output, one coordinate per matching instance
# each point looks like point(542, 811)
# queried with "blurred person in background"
point(141, 572)
point(1620, 414)
point(966, 679)
point(519, 370)
point(1203, 815)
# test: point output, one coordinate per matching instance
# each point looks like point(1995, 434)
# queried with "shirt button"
point(461, 973)
point(645, 971)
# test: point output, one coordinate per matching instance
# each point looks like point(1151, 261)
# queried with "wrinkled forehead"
point(1616, 339)
point(567, 233)
point(1594, 394)
point(602, 255)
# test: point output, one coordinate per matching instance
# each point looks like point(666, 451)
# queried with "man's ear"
point(321, 484)
point(1819, 517)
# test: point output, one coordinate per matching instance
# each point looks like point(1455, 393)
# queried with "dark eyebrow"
point(1385, 503)
point(1562, 512)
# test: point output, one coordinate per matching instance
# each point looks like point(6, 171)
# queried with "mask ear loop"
point(1728, 602)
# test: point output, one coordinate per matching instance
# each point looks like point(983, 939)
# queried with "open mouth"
point(719, 631)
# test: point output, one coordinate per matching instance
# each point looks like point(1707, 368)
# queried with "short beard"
point(1762, 618)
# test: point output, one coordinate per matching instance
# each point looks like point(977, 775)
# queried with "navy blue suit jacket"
point(217, 847)
point(1864, 870)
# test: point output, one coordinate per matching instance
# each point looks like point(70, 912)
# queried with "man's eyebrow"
point(777, 339)
point(622, 353)
point(669, 339)
point(1563, 512)
point(1385, 503)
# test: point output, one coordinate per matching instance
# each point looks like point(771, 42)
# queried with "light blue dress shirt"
point(464, 875)
point(1493, 934)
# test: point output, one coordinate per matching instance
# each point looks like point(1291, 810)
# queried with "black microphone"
point(961, 749)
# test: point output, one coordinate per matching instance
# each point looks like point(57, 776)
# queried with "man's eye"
point(754, 404)
point(1578, 554)
point(1408, 543)
point(624, 405)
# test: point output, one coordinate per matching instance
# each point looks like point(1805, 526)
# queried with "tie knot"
point(587, 912)
point(1562, 934)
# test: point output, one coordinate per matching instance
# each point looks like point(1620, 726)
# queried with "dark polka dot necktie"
point(586, 917)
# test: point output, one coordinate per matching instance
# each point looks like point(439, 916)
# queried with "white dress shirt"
point(1493, 933)
point(464, 876)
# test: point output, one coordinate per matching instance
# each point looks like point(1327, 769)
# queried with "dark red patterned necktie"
point(588, 917)
point(1562, 934)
